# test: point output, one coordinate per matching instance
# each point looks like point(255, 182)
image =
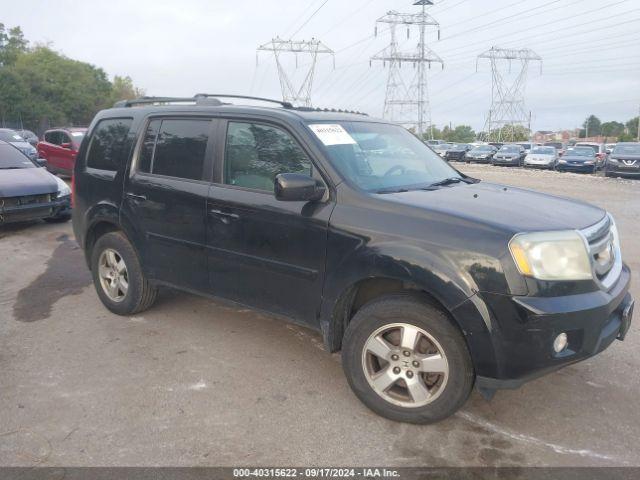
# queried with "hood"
point(506, 208)
point(507, 154)
point(578, 158)
point(26, 181)
point(540, 156)
point(22, 145)
point(622, 156)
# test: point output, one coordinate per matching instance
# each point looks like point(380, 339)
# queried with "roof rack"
point(205, 99)
point(332, 110)
point(211, 99)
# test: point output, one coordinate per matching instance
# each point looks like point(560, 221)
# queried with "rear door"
point(263, 252)
point(165, 197)
point(49, 149)
point(67, 153)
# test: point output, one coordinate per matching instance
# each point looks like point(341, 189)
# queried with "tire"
point(444, 397)
point(58, 219)
point(139, 294)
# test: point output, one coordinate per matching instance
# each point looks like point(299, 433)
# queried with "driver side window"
point(256, 153)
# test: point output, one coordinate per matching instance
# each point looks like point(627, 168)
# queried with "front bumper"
point(576, 167)
point(506, 161)
point(623, 170)
point(56, 207)
point(527, 326)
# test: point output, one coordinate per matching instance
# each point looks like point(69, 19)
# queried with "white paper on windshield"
point(16, 137)
point(332, 134)
point(77, 134)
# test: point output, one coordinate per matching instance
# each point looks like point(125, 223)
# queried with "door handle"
point(140, 198)
point(223, 214)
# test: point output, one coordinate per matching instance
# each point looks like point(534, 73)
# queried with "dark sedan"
point(509, 155)
point(28, 192)
point(481, 154)
point(578, 159)
point(624, 160)
point(457, 152)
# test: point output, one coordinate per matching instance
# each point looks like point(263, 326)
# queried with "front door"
point(165, 199)
point(263, 252)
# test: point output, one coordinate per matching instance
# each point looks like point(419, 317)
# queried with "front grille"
point(604, 251)
point(24, 200)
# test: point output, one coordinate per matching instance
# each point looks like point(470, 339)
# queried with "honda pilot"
point(428, 281)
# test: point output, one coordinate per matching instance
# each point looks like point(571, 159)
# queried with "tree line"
point(40, 87)
point(623, 132)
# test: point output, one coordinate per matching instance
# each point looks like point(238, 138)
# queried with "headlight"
point(562, 161)
point(63, 188)
point(551, 255)
point(613, 160)
point(589, 162)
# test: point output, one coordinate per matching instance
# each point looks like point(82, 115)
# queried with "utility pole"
point(638, 137)
point(311, 48)
point(405, 104)
point(507, 109)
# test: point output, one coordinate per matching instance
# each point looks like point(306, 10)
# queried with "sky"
point(590, 50)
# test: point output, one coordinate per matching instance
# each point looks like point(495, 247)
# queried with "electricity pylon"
point(507, 110)
point(312, 48)
point(408, 104)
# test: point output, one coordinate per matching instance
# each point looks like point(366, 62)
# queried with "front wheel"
point(118, 277)
point(406, 360)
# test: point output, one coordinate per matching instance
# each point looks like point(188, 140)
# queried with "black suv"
point(428, 281)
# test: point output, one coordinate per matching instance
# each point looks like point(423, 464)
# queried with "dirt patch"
point(66, 274)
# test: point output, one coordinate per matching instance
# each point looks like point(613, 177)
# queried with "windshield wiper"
point(447, 181)
point(11, 168)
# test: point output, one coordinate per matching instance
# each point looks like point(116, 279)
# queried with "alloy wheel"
point(405, 365)
point(113, 275)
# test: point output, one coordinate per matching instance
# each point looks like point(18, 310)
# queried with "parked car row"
point(59, 146)
point(614, 159)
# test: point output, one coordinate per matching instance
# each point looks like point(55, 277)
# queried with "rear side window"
point(175, 148)
point(108, 144)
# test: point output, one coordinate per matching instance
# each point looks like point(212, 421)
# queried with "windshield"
point(554, 144)
point(627, 149)
point(381, 157)
point(11, 157)
point(483, 148)
point(510, 149)
point(443, 146)
point(582, 152)
point(527, 146)
point(544, 150)
point(10, 136)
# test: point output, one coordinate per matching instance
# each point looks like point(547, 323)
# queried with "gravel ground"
point(199, 382)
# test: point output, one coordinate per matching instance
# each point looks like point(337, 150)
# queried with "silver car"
point(542, 157)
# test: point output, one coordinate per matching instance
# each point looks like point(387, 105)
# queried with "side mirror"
point(42, 162)
point(66, 145)
point(295, 187)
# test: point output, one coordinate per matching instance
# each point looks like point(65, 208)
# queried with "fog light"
point(560, 343)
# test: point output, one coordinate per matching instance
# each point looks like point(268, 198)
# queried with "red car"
point(60, 147)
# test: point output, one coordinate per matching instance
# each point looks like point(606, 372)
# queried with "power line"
point(309, 19)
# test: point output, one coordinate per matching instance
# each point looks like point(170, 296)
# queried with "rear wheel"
point(406, 361)
point(118, 277)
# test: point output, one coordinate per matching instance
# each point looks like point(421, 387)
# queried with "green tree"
point(43, 86)
point(612, 129)
point(460, 134)
point(122, 88)
point(12, 44)
point(591, 127)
